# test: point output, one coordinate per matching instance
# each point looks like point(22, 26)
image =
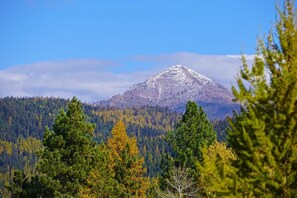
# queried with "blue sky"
point(123, 34)
point(43, 30)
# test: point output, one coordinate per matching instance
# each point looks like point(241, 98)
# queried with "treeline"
point(27, 117)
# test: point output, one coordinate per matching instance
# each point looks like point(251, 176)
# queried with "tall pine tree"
point(192, 133)
point(264, 134)
point(69, 152)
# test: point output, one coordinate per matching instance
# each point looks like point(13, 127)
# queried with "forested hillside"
point(28, 117)
point(23, 122)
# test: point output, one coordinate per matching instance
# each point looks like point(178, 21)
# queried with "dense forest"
point(61, 148)
point(23, 122)
point(26, 118)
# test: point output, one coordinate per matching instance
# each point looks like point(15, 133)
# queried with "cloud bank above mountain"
point(92, 80)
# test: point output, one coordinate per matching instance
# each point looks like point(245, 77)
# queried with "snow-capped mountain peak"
point(174, 87)
point(178, 74)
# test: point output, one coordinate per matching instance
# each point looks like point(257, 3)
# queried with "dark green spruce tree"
point(192, 133)
point(69, 153)
point(264, 134)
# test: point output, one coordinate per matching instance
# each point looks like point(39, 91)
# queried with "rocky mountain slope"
point(173, 87)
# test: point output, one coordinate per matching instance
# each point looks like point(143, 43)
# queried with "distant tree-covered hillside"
point(27, 118)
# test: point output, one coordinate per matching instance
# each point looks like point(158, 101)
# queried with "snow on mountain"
point(173, 87)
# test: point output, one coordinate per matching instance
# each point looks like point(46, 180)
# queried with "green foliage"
point(100, 180)
point(192, 133)
point(69, 153)
point(24, 150)
point(148, 124)
point(23, 186)
point(221, 127)
point(216, 173)
point(19, 155)
point(27, 117)
point(264, 134)
point(16, 188)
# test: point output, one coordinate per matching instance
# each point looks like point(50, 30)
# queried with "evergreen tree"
point(216, 174)
point(192, 133)
point(126, 163)
point(264, 134)
point(23, 186)
point(69, 152)
point(101, 181)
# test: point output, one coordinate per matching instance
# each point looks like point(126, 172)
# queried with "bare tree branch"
point(181, 184)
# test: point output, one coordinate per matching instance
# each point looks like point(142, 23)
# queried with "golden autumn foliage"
point(119, 171)
point(100, 184)
point(126, 163)
point(6, 146)
point(119, 140)
point(29, 145)
point(148, 117)
point(100, 181)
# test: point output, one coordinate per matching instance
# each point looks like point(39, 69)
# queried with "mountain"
point(173, 87)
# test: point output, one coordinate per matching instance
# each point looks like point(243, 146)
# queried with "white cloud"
point(221, 68)
point(89, 80)
point(92, 80)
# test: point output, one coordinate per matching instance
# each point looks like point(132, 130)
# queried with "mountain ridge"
point(173, 87)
